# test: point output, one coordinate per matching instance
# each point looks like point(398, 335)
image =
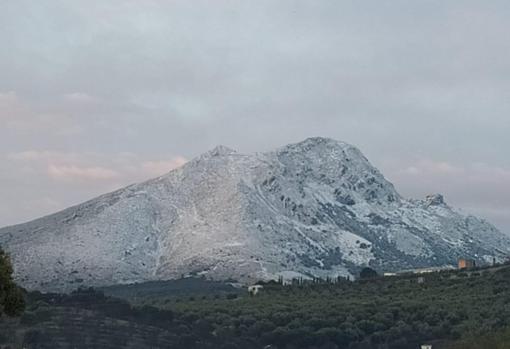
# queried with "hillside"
point(312, 209)
point(470, 308)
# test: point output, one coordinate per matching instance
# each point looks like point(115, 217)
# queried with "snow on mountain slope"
point(316, 208)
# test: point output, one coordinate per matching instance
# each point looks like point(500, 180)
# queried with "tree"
point(368, 273)
point(11, 296)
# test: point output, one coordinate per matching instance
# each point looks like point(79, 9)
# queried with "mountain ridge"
point(313, 208)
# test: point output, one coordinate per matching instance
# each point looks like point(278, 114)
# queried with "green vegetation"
point(87, 319)
point(368, 273)
point(496, 340)
point(397, 312)
point(183, 288)
point(11, 296)
point(451, 310)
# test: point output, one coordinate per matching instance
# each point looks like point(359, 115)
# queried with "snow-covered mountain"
point(313, 208)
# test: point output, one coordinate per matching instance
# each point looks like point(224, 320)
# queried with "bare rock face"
point(435, 200)
point(315, 208)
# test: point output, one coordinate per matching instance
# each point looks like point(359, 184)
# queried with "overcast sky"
point(98, 94)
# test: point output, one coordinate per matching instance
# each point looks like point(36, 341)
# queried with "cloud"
point(11, 108)
point(33, 155)
point(156, 168)
point(23, 115)
point(163, 79)
point(482, 175)
point(45, 181)
point(480, 188)
point(432, 168)
point(80, 97)
point(70, 172)
point(121, 168)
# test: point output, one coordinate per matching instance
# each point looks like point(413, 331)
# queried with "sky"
point(95, 95)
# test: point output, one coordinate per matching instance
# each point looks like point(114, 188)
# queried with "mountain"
point(315, 208)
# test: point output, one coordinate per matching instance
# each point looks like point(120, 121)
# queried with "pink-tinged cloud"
point(32, 155)
point(156, 168)
point(481, 173)
point(115, 169)
point(20, 114)
point(432, 168)
point(72, 172)
point(480, 188)
point(484, 173)
point(80, 97)
point(11, 108)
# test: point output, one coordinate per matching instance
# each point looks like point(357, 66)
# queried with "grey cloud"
point(160, 79)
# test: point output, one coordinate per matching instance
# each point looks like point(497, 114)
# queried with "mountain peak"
point(321, 145)
point(313, 141)
point(221, 150)
point(435, 200)
point(314, 208)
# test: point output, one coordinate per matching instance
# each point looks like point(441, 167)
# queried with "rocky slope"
point(313, 208)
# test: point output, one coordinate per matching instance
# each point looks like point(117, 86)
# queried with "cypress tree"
point(11, 296)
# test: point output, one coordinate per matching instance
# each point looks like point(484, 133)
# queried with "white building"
point(390, 274)
point(255, 289)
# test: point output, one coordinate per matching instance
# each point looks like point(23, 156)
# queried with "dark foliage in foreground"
point(448, 309)
point(11, 296)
